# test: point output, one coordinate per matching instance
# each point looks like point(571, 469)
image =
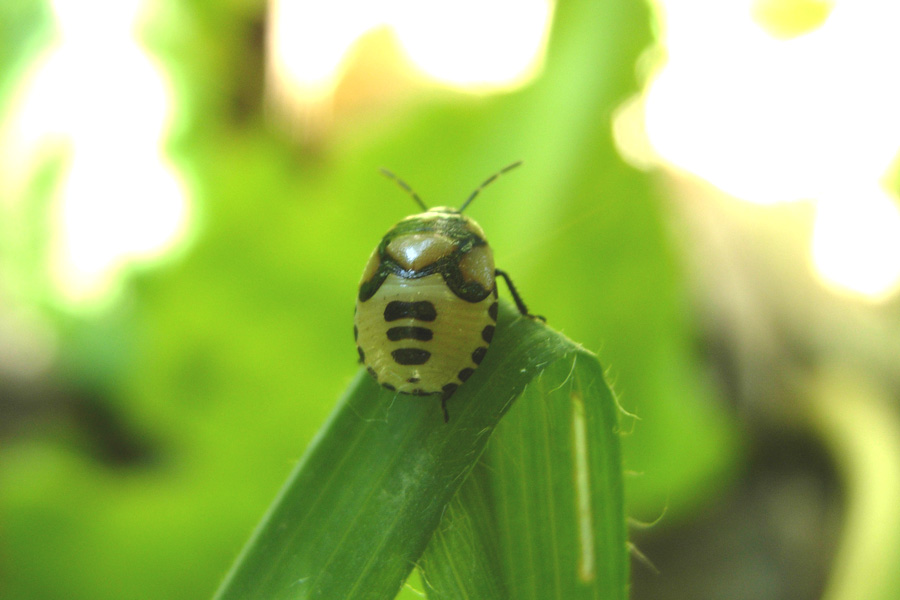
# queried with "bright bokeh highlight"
point(476, 45)
point(772, 120)
point(96, 93)
point(308, 43)
point(856, 244)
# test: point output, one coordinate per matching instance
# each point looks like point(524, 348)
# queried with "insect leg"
point(515, 294)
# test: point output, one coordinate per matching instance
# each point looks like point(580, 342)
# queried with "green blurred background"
point(155, 394)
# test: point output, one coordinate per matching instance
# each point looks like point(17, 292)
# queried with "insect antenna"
point(487, 182)
point(405, 187)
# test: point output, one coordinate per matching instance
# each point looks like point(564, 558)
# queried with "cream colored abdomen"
point(458, 330)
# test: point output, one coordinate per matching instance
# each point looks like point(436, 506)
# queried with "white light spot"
point(856, 244)
point(309, 40)
point(476, 45)
point(98, 92)
point(771, 120)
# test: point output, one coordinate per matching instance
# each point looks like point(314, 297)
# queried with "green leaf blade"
point(462, 559)
point(358, 510)
point(547, 498)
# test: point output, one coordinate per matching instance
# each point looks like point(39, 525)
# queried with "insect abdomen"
point(417, 337)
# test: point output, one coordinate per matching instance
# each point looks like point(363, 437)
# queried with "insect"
point(427, 303)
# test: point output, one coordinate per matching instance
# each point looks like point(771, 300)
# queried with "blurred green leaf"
point(25, 27)
point(365, 499)
point(542, 515)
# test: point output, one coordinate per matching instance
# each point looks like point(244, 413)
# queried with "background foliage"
point(137, 467)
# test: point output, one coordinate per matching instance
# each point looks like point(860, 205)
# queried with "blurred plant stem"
point(860, 427)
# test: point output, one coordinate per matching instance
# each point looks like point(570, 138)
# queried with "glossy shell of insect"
point(427, 303)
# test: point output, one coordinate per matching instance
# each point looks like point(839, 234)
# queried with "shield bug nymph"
point(427, 303)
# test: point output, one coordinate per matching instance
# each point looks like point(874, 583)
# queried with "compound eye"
point(416, 251)
point(478, 266)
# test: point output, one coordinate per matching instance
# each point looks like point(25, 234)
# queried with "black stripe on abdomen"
point(423, 334)
point(411, 356)
point(420, 311)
